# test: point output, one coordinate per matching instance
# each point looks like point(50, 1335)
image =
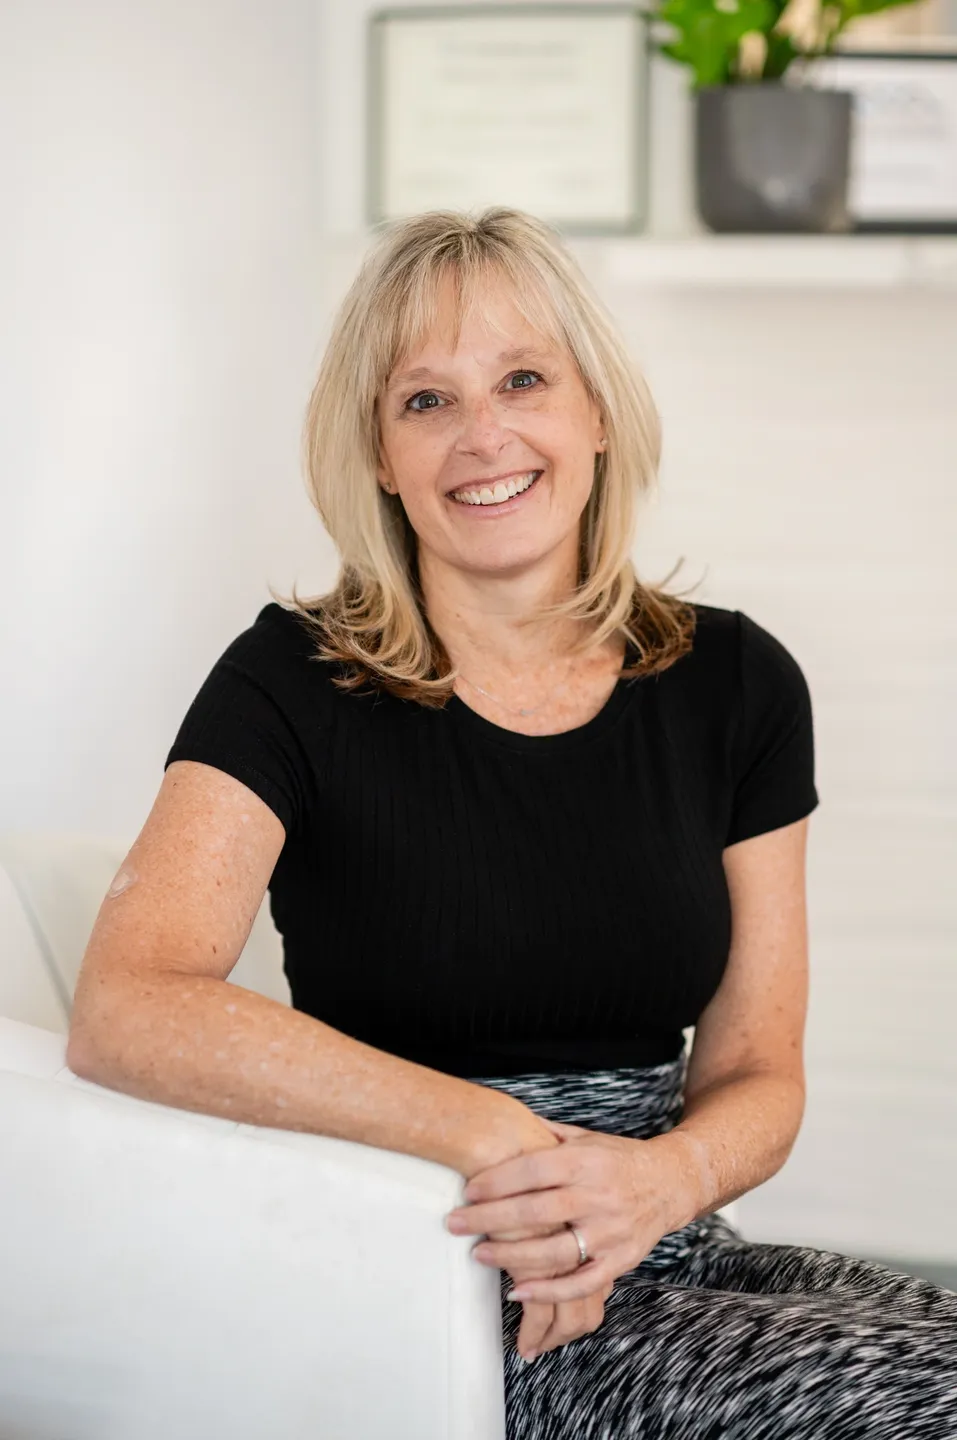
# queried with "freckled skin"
point(154, 1014)
point(478, 424)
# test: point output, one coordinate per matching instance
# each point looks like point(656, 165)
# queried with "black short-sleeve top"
point(488, 903)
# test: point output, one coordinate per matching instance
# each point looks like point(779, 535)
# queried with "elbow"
point(87, 1041)
point(98, 1020)
point(82, 1054)
point(791, 1120)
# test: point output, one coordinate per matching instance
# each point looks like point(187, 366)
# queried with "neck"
point(484, 621)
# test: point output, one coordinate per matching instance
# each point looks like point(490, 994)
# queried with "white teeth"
point(497, 494)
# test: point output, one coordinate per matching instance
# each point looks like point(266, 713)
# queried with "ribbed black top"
point(488, 903)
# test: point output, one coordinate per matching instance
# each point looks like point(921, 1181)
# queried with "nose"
point(482, 432)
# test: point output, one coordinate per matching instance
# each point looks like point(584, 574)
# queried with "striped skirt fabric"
point(713, 1337)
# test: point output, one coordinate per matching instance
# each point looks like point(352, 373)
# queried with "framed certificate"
point(543, 107)
point(904, 139)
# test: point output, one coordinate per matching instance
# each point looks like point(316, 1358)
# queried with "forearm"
point(203, 1044)
point(731, 1138)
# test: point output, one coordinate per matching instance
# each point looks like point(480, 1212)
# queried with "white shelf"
point(781, 261)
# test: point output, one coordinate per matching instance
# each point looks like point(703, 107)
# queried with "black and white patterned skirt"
point(713, 1337)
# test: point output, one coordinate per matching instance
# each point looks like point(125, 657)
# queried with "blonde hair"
point(373, 622)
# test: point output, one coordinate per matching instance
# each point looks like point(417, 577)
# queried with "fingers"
point(547, 1326)
point(530, 1232)
point(537, 1320)
point(566, 1132)
point(529, 1210)
point(530, 1171)
point(535, 1257)
point(586, 1279)
point(573, 1319)
point(569, 1321)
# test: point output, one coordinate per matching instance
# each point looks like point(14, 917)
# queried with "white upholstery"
point(167, 1274)
point(52, 884)
point(172, 1276)
point(28, 984)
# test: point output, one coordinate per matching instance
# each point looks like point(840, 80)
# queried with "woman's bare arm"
point(745, 1087)
point(154, 1016)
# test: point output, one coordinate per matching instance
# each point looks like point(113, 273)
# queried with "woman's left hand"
point(623, 1195)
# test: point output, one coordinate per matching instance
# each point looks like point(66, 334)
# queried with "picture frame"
point(542, 107)
point(904, 142)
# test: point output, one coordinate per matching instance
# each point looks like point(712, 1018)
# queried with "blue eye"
point(422, 395)
point(531, 379)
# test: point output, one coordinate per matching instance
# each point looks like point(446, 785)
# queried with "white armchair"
point(167, 1274)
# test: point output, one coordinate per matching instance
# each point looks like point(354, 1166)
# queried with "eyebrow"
point(506, 357)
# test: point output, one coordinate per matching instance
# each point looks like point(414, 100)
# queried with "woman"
point(523, 820)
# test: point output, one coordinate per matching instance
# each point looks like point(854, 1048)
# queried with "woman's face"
point(491, 445)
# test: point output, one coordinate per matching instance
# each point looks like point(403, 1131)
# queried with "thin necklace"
point(524, 710)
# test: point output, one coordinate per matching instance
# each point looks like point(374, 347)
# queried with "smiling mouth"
point(497, 494)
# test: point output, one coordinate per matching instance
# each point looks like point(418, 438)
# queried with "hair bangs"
point(373, 622)
point(436, 296)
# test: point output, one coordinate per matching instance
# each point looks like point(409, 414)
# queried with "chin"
point(506, 560)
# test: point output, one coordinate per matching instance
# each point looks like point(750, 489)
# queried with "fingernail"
point(529, 1358)
point(517, 1295)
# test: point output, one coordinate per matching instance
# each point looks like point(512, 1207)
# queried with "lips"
point(496, 492)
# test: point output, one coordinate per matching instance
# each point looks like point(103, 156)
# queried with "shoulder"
point(755, 681)
point(733, 642)
point(276, 632)
point(279, 651)
point(274, 667)
point(716, 633)
point(708, 669)
point(263, 714)
point(737, 671)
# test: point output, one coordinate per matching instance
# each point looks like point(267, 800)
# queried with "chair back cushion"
point(52, 884)
point(30, 986)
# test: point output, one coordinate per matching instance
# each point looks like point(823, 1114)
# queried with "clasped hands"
point(622, 1194)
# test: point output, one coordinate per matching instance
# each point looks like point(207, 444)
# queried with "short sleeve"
point(773, 741)
point(239, 724)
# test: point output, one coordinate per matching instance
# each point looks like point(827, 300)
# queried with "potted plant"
point(771, 154)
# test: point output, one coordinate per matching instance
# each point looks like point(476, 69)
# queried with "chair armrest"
point(168, 1273)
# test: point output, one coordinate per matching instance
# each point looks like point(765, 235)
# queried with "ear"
point(599, 428)
point(383, 469)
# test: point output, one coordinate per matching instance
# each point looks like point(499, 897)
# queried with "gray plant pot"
point(773, 157)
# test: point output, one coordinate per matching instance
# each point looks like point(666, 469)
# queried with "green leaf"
point(781, 52)
point(708, 33)
point(855, 8)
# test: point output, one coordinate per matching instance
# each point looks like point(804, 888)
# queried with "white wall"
point(179, 238)
point(159, 261)
point(810, 456)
